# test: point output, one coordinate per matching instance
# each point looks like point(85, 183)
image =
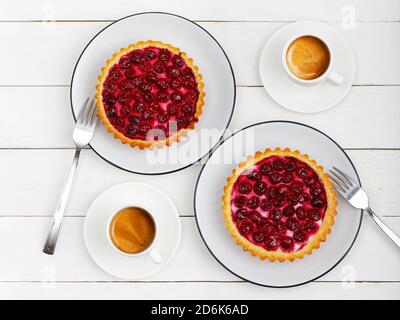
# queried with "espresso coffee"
point(132, 230)
point(307, 57)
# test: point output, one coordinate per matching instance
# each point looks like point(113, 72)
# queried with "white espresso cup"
point(329, 74)
point(150, 251)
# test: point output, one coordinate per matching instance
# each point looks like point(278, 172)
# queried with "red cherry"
point(129, 74)
point(271, 242)
point(286, 243)
point(149, 54)
point(240, 201)
point(241, 214)
point(151, 76)
point(159, 67)
point(258, 237)
point(111, 112)
point(309, 227)
point(187, 110)
point(244, 187)
point(278, 201)
point(187, 74)
point(164, 55)
point(138, 106)
point(301, 213)
point(316, 191)
point(303, 172)
point(287, 177)
point(145, 66)
point(145, 87)
point(278, 165)
point(173, 72)
point(147, 115)
point(288, 211)
point(272, 193)
point(266, 169)
point(290, 165)
point(253, 202)
point(303, 198)
point(314, 214)
point(265, 205)
point(292, 224)
point(275, 214)
point(317, 202)
point(131, 131)
point(162, 84)
point(297, 187)
point(268, 227)
point(254, 175)
point(172, 109)
point(274, 177)
point(178, 61)
point(148, 97)
point(162, 117)
point(137, 81)
point(175, 84)
point(255, 217)
point(162, 96)
point(260, 187)
point(245, 227)
point(124, 63)
point(176, 97)
point(135, 57)
point(299, 236)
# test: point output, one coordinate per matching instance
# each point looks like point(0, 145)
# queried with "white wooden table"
point(40, 43)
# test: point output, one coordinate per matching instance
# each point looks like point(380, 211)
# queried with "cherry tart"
point(149, 94)
point(279, 205)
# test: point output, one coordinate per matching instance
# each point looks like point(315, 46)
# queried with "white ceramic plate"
point(293, 96)
point(208, 56)
point(209, 190)
point(116, 198)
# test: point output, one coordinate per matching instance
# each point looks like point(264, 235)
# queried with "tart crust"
point(142, 144)
point(315, 241)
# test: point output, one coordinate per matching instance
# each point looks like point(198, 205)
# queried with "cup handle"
point(155, 256)
point(335, 78)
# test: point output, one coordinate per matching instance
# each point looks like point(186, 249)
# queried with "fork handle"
point(384, 227)
point(51, 241)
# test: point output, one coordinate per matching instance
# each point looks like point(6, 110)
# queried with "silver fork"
point(83, 133)
point(349, 189)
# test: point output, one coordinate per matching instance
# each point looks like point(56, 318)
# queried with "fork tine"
point(337, 186)
point(80, 115)
point(93, 118)
point(334, 176)
point(89, 115)
point(348, 178)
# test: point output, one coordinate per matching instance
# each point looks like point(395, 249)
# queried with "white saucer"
point(306, 99)
point(209, 190)
point(118, 197)
point(207, 54)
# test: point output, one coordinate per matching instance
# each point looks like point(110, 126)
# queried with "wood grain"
point(54, 50)
point(283, 10)
point(193, 262)
point(32, 181)
point(43, 117)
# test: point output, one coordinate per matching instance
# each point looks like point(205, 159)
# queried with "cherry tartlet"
point(279, 205)
point(149, 94)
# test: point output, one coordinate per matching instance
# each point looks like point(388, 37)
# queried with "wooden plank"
point(32, 181)
point(193, 262)
point(55, 50)
point(284, 10)
point(40, 117)
point(182, 291)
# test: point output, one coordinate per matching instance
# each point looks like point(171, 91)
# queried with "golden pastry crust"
point(314, 242)
point(142, 144)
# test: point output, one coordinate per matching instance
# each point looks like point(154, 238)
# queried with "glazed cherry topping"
point(143, 79)
point(279, 203)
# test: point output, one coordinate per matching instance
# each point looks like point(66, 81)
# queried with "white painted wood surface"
point(35, 146)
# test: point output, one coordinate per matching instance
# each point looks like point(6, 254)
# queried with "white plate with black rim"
point(207, 54)
point(209, 189)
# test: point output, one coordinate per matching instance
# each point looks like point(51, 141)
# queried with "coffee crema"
point(132, 230)
point(307, 57)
